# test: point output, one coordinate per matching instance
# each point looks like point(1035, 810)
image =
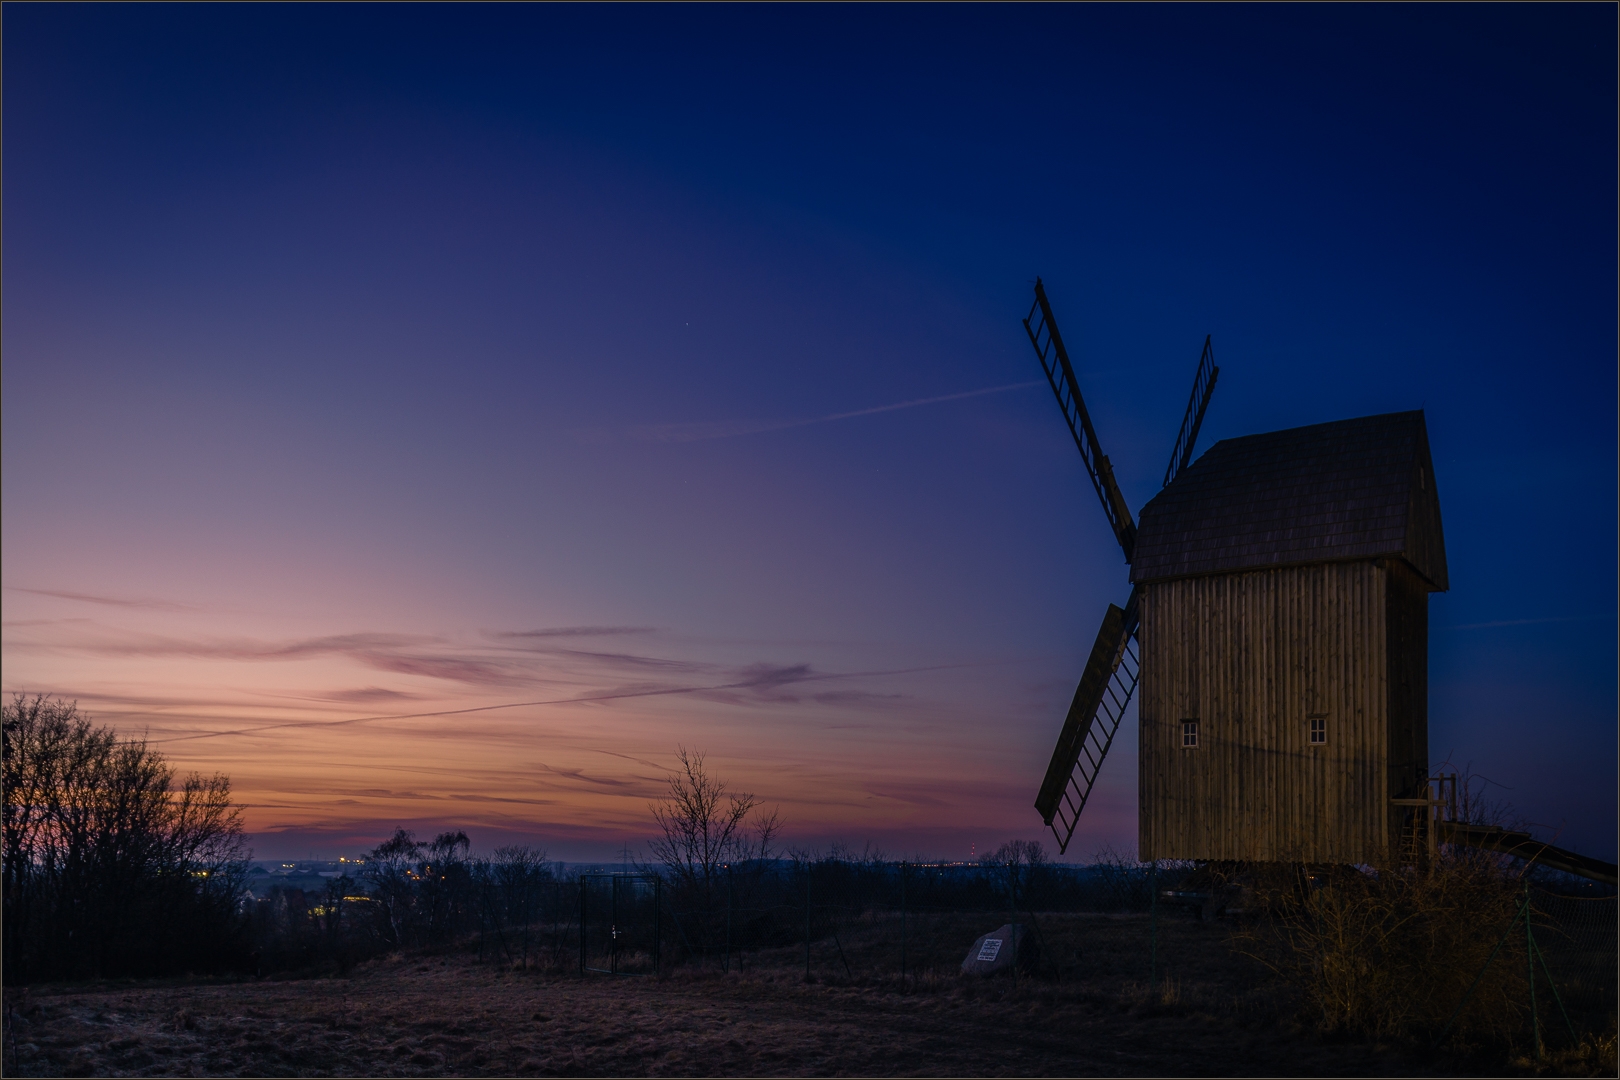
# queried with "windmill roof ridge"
point(1346, 489)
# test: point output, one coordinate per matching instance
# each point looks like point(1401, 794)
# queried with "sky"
point(437, 416)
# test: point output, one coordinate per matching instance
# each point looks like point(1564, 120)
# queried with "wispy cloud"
point(855, 698)
point(146, 603)
point(397, 653)
point(365, 694)
point(568, 631)
point(453, 668)
point(627, 757)
point(634, 660)
point(762, 681)
point(727, 429)
point(912, 794)
point(580, 776)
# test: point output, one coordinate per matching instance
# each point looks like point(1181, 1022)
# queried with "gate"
point(619, 917)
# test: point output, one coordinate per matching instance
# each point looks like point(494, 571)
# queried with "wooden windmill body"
point(1284, 595)
point(1277, 628)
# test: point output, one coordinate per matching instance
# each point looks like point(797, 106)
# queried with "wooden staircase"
point(1434, 802)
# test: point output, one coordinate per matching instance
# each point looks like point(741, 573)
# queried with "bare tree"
point(704, 826)
point(392, 876)
point(446, 883)
point(1015, 853)
point(110, 866)
point(509, 896)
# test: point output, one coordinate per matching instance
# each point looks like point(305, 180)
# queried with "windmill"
point(1275, 639)
point(1114, 667)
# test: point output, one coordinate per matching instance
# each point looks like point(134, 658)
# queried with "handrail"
point(1524, 846)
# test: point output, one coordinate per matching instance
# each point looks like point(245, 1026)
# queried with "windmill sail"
point(1043, 334)
point(1203, 388)
point(1099, 705)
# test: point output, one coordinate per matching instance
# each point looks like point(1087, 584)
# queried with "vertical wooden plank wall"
point(1407, 640)
point(1251, 656)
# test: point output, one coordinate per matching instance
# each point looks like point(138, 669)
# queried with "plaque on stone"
point(999, 950)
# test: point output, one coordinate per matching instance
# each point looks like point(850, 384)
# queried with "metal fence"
point(1121, 923)
point(1569, 950)
point(621, 920)
point(572, 921)
point(870, 919)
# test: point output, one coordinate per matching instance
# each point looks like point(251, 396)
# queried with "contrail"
point(725, 429)
point(743, 685)
point(1528, 622)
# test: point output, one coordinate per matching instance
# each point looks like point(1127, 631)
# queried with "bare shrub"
point(1592, 1055)
point(512, 889)
point(1393, 952)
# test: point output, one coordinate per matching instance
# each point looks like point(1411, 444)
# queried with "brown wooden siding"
point(1406, 606)
point(1251, 656)
point(1425, 536)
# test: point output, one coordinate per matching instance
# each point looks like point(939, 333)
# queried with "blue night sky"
point(366, 361)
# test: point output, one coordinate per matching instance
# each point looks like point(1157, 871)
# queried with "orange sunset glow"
point(443, 427)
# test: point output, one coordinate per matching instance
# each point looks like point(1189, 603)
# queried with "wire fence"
point(1565, 943)
point(1119, 927)
point(877, 920)
point(847, 920)
point(1570, 951)
point(620, 923)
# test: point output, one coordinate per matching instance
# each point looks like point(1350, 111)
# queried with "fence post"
point(902, 923)
point(1530, 959)
point(727, 967)
point(1012, 916)
point(1153, 925)
point(582, 924)
point(1553, 986)
point(531, 904)
point(807, 867)
point(613, 924)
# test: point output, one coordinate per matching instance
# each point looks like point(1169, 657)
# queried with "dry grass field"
point(1091, 1013)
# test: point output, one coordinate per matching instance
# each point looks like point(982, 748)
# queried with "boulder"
point(1000, 949)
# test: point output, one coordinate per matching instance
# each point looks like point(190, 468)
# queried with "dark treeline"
point(761, 904)
point(115, 867)
point(111, 867)
point(411, 893)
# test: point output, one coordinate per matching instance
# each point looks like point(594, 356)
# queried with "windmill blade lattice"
point(1105, 691)
point(1048, 342)
point(1203, 389)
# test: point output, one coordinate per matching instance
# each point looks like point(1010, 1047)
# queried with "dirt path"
point(452, 1016)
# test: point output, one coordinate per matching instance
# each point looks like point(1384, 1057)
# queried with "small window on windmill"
point(1189, 733)
point(1318, 728)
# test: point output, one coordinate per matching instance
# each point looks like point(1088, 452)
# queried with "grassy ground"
point(1091, 1012)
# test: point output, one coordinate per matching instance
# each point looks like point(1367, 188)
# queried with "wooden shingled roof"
point(1352, 489)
